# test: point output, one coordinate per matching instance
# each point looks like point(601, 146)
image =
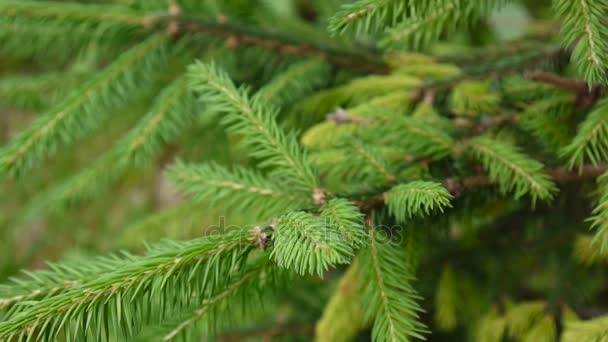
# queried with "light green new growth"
point(417, 198)
point(511, 169)
point(342, 215)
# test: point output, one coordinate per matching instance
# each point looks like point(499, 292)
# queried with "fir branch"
point(591, 140)
point(387, 294)
point(255, 121)
point(585, 29)
point(242, 189)
point(512, 170)
point(83, 110)
point(128, 293)
point(416, 198)
point(305, 244)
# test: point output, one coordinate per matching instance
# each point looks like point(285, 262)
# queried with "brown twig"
point(237, 35)
point(458, 186)
point(559, 175)
point(585, 95)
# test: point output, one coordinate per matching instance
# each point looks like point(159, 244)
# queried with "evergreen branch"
point(305, 244)
point(209, 303)
point(298, 80)
point(236, 296)
point(416, 198)
point(387, 294)
point(38, 92)
point(370, 16)
point(71, 12)
point(419, 138)
point(38, 285)
point(170, 114)
point(283, 44)
point(512, 170)
point(473, 98)
point(548, 120)
point(173, 110)
point(585, 29)
point(586, 331)
point(346, 218)
point(243, 189)
point(375, 165)
point(418, 31)
point(129, 292)
point(501, 66)
point(79, 187)
point(255, 122)
point(83, 110)
point(591, 140)
point(560, 175)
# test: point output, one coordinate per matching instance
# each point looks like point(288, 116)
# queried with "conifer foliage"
point(381, 170)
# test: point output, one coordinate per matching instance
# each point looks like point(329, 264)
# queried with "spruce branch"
point(591, 140)
point(369, 15)
point(585, 29)
point(344, 216)
point(236, 35)
point(84, 109)
point(387, 293)
point(512, 170)
point(59, 278)
point(40, 91)
point(416, 198)
point(241, 188)
point(244, 287)
point(307, 245)
point(129, 292)
point(255, 121)
point(170, 114)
